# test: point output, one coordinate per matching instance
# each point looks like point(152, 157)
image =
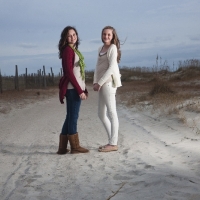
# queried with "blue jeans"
point(73, 106)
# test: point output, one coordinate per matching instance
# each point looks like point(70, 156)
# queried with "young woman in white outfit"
point(106, 81)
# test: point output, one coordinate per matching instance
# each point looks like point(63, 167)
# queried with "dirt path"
point(158, 158)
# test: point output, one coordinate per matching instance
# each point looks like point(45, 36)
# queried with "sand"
point(158, 156)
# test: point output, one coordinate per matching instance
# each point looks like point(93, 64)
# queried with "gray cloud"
point(158, 39)
point(27, 46)
point(96, 41)
point(172, 54)
point(163, 39)
point(195, 38)
point(141, 43)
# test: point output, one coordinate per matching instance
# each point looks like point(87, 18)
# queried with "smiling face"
point(71, 37)
point(107, 36)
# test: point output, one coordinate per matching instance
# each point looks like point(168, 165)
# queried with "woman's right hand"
point(83, 96)
point(96, 87)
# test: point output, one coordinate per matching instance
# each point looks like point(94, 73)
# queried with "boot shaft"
point(62, 149)
point(75, 145)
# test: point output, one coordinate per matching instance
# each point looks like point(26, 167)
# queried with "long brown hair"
point(115, 40)
point(63, 40)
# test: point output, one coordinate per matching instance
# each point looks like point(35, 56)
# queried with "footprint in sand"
point(126, 151)
point(102, 167)
point(170, 162)
point(136, 173)
point(149, 167)
point(90, 166)
point(119, 177)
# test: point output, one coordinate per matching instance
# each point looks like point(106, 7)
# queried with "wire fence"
point(29, 81)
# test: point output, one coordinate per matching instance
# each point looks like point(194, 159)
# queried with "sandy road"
point(157, 159)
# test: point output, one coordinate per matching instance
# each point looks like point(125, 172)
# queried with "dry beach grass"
point(170, 91)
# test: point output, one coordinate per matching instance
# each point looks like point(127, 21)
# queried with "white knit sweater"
point(107, 67)
point(77, 74)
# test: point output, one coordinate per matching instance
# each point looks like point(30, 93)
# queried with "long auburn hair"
point(63, 40)
point(115, 40)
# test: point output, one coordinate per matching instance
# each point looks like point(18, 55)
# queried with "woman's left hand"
point(83, 96)
point(86, 93)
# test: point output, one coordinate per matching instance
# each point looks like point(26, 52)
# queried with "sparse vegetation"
point(158, 87)
point(161, 87)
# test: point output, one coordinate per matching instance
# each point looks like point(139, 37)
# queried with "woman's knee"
point(112, 114)
point(102, 116)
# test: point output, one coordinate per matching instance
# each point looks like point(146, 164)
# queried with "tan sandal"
point(103, 146)
point(109, 148)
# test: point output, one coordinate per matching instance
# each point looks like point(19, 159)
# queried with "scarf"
point(81, 62)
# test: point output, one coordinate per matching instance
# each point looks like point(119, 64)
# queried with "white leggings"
point(107, 112)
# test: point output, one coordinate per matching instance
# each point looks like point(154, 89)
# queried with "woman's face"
point(107, 36)
point(71, 37)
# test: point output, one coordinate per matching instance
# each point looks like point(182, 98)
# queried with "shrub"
point(161, 87)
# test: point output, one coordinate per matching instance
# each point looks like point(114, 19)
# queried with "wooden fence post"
point(16, 78)
point(35, 79)
point(39, 77)
point(26, 78)
point(1, 86)
point(52, 74)
point(45, 81)
point(42, 78)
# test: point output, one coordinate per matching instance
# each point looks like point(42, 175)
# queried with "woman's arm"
point(68, 57)
point(95, 77)
point(95, 71)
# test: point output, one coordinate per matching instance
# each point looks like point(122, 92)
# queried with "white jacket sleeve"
point(95, 76)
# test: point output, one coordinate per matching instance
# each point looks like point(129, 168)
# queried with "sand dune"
point(158, 156)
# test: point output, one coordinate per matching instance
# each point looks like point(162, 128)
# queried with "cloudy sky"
point(30, 31)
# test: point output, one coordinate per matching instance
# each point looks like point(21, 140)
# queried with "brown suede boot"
point(62, 149)
point(75, 146)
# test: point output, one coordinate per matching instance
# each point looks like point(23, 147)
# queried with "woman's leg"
point(70, 124)
point(102, 113)
point(63, 139)
point(64, 130)
point(107, 105)
point(73, 106)
point(109, 93)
